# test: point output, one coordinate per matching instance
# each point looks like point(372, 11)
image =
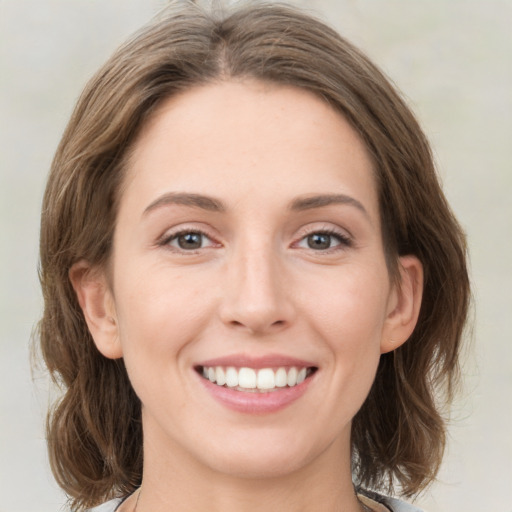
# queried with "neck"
point(179, 482)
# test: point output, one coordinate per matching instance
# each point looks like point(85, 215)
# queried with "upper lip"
point(256, 362)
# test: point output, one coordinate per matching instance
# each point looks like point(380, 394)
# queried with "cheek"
point(155, 315)
point(349, 316)
point(351, 307)
point(155, 326)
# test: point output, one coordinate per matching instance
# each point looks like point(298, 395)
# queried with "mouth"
point(256, 380)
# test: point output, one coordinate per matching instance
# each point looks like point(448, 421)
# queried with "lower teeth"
point(255, 390)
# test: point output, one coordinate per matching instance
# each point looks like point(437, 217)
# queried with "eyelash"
point(168, 238)
point(343, 240)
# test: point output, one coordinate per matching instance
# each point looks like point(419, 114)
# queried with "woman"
point(254, 288)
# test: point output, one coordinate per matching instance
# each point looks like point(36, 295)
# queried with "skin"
point(254, 287)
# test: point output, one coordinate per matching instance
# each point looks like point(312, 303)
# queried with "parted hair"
point(94, 429)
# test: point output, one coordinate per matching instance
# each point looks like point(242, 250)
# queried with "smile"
point(253, 380)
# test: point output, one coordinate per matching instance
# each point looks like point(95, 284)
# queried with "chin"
point(264, 455)
point(257, 467)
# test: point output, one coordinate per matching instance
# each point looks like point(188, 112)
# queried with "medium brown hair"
point(94, 430)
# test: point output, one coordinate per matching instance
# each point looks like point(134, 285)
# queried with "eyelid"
point(173, 233)
point(344, 237)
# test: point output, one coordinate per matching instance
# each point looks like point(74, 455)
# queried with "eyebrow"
point(319, 201)
point(186, 199)
point(215, 205)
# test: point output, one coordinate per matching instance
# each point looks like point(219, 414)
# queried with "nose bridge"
point(255, 296)
point(258, 274)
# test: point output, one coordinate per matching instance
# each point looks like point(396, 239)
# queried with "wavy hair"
point(94, 430)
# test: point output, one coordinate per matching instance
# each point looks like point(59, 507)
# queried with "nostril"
point(253, 326)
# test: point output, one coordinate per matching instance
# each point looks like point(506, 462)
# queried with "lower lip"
point(256, 402)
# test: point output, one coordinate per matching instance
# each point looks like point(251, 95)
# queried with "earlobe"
point(97, 303)
point(406, 303)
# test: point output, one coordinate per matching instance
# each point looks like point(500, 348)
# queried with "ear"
point(405, 302)
point(97, 303)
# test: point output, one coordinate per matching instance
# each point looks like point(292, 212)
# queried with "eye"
point(188, 240)
point(323, 240)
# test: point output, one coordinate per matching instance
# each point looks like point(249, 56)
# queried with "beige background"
point(451, 58)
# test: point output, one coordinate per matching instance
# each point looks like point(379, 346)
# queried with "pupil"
point(190, 241)
point(319, 241)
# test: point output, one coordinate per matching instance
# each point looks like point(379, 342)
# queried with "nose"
point(256, 297)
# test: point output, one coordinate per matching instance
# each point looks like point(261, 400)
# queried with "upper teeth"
point(249, 378)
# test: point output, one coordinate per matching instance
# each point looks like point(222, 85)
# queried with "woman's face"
point(248, 249)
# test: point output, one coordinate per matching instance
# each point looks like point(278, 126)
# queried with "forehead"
point(249, 137)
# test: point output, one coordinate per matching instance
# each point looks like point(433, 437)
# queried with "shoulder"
point(109, 506)
point(400, 506)
point(392, 504)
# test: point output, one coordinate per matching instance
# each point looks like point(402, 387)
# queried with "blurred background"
point(452, 60)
